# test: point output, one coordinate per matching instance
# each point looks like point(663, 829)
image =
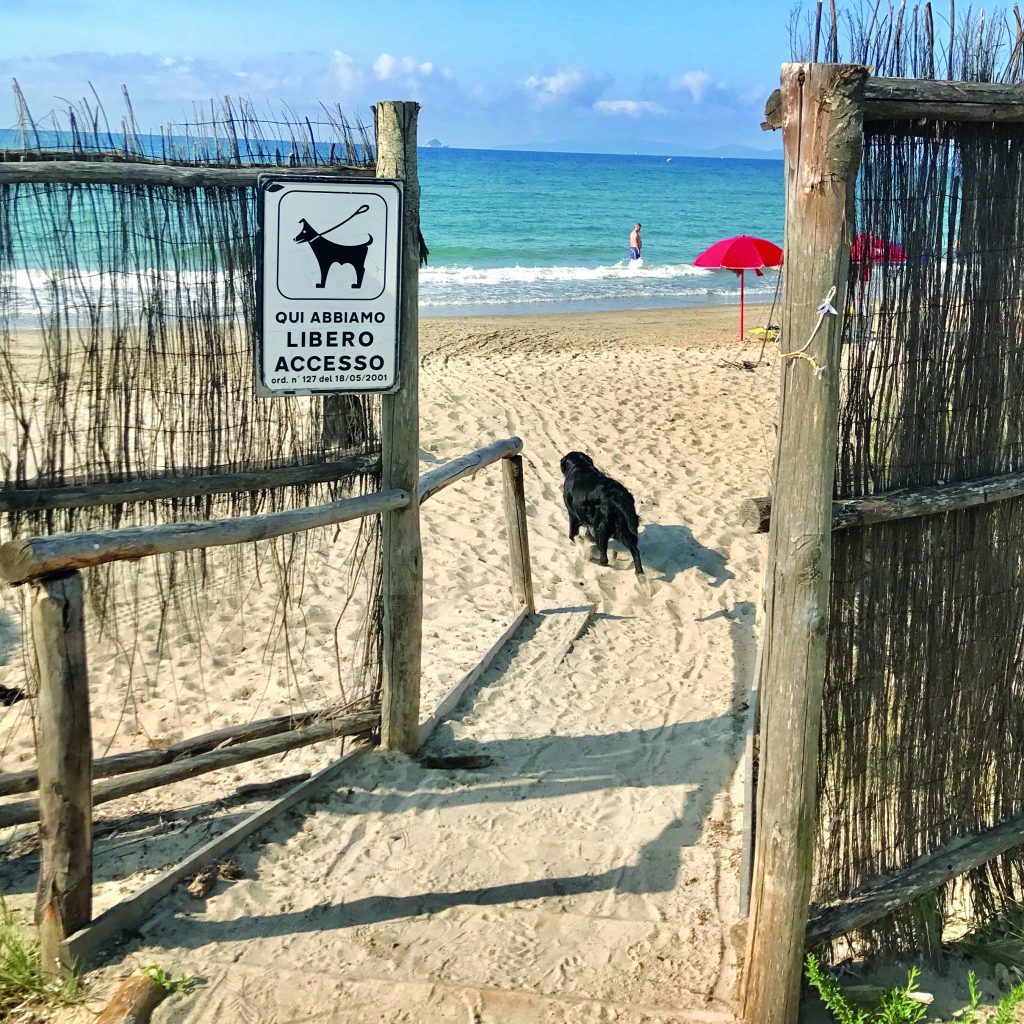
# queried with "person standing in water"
point(635, 245)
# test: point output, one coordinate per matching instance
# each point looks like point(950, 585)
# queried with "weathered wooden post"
point(64, 895)
point(518, 537)
point(822, 106)
point(400, 438)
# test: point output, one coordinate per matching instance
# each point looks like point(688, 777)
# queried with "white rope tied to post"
point(823, 310)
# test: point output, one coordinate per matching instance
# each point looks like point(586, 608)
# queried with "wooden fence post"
point(64, 895)
point(822, 138)
point(518, 538)
point(400, 437)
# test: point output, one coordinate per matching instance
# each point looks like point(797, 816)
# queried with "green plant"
point(1009, 1002)
point(832, 995)
point(23, 983)
point(971, 1013)
point(897, 1005)
point(166, 981)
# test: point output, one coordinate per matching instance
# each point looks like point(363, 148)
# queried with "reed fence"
point(888, 775)
point(137, 435)
point(127, 309)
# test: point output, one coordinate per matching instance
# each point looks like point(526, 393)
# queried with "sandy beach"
point(591, 871)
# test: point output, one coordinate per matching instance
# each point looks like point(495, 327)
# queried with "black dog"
point(328, 253)
point(10, 695)
point(602, 505)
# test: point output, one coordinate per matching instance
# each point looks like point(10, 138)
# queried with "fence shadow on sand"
point(692, 761)
point(548, 767)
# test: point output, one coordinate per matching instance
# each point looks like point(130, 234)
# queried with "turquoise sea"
point(521, 232)
point(545, 232)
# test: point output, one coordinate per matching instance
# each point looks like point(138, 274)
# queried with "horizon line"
point(524, 148)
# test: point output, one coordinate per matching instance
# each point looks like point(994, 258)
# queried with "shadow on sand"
point(549, 767)
point(698, 756)
point(673, 549)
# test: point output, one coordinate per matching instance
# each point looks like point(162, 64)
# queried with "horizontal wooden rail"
point(755, 513)
point(23, 560)
point(897, 99)
point(181, 484)
point(26, 811)
point(444, 476)
point(886, 895)
point(911, 99)
point(91, 172)
point(137, 760)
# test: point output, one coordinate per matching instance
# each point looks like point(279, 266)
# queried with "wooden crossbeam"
point(913, 99)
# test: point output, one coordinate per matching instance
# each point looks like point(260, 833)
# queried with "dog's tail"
point(369, 240)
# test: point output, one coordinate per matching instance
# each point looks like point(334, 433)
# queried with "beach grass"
point(25, 989)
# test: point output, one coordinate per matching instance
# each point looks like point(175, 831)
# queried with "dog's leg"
point(574, 526)
point(601, 542)
point(325, 269)
point(360, 269)
point(634, 550)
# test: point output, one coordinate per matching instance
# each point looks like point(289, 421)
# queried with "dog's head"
point(576, 460)
point(307, 234)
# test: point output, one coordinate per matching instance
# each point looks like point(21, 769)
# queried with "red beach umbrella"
point(872, 249)
point(868, 249)
point(741, 254)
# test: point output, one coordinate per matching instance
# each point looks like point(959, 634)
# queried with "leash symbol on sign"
point(329, 253)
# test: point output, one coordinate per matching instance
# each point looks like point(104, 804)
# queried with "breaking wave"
point(454, 288)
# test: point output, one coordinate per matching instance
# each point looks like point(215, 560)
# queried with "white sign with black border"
point(328, 283)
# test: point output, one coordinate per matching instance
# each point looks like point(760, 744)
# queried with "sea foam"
point(455, 288)
point(470, 276)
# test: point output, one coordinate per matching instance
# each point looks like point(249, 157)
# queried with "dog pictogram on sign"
point(329, 253)
point(326, 245)
point(329, 281)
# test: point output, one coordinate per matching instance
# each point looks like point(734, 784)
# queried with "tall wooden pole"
point(400, 439)
point(64, 894)
point(518, 535)
point(822, 137)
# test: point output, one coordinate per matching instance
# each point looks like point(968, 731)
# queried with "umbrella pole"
point(743, 274)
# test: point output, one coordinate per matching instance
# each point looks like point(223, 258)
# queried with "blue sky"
point(595, 74)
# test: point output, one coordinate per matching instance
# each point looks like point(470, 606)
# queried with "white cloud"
point(568, 85)
point(756, 95)
point(631, 108)
point(578, 103)
point(693, 82)
point(347, 72)
point(405, 69)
